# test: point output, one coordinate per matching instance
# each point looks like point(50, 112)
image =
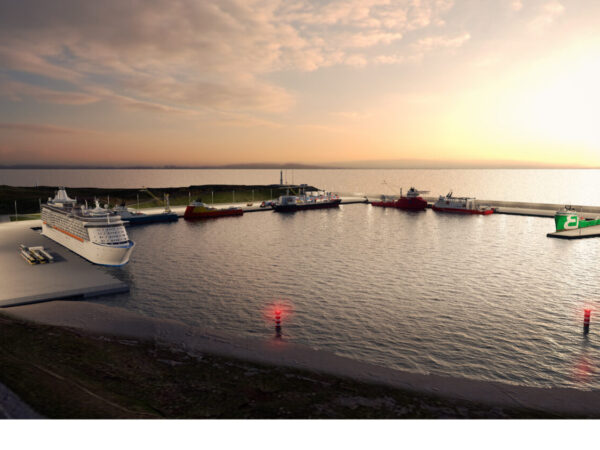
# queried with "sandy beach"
point(111, 321)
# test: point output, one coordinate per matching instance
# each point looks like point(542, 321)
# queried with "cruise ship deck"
point(70, 276)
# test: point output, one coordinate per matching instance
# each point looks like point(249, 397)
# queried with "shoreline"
point(117, 322)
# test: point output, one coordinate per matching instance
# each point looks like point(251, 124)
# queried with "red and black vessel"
point(198, 210)
point(460, 205)
point(412, 201)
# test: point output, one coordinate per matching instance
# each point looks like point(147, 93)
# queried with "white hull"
point(98, 254)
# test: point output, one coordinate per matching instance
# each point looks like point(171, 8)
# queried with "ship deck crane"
point(165, 200)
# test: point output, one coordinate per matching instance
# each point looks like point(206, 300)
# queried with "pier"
point(69, 277)
point(578, 233)
point(255, 207)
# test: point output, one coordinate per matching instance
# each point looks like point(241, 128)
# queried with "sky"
point(362, 83)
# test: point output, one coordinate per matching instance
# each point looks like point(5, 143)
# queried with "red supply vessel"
point(461, 205)
point(412, 201)
point(198, 210)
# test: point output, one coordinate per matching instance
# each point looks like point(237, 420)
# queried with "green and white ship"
point(568, 219)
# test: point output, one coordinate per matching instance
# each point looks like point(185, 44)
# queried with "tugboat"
point(412, 201)
point(292, 203)
point(198, 210)
point(461, 205)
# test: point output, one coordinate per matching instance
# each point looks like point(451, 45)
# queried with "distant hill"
point(364, 164)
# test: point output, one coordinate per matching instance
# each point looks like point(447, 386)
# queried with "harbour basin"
point(482, 297)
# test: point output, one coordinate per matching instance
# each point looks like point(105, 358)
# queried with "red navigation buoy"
point(278, 323)
point(586, 320)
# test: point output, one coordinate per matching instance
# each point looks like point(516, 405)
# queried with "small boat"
point(198, 210)
point(41, 253)
point(27, 256)
point(291, 203)
point(460, 205)
point(412, 201)
point(38, 255)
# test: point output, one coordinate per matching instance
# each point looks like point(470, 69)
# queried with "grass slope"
point(28, 198)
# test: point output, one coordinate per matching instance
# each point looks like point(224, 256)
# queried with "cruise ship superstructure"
point(95, 234)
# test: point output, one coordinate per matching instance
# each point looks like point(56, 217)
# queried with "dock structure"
point(577, 233)
point(180, 210)
point(69, 277)
point(529, 208)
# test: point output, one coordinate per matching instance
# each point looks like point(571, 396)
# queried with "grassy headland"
point(28, 198)
point(63, 373)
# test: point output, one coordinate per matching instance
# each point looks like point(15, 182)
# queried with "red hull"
point(464, 211)
point(404, 203)
point(190, 214)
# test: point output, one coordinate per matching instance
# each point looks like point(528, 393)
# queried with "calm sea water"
point(483, 297)
point(580, 187)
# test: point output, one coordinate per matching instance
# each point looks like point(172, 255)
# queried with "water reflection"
point(484, 297)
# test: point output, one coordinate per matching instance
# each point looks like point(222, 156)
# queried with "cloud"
point(185, 55)
point(33, 61)
point(242, 120)
point(40, 128)
point(356, 60)
point(547, 15)
point(389, 59)
point(362, 40)
point(352, 115)
point(434, 42)
point(17, 91)
point(516, 5)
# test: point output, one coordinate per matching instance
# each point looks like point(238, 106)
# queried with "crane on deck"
point(165, 200)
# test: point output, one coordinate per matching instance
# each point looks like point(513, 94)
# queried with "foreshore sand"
point(113, 321)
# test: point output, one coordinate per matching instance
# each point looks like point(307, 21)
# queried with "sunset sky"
point(201, 82)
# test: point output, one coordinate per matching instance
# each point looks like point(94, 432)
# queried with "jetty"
point(577, 233)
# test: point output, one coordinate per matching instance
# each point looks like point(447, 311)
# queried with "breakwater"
point(28, 199)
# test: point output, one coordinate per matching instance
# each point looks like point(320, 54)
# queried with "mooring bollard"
point(278, 324)
point(586, 320)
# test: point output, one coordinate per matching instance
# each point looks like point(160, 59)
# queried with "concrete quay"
point(578, 233)
point(531, 209)
point(180, 210)
point(70, 276)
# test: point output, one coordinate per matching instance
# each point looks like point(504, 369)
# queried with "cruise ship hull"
point(98, 254)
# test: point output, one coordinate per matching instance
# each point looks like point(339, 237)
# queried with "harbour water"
point(482, 297)
point(487, 298)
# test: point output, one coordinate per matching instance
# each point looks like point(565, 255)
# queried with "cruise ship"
point(95, 234)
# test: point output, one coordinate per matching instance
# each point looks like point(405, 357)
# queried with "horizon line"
point(358, 165)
